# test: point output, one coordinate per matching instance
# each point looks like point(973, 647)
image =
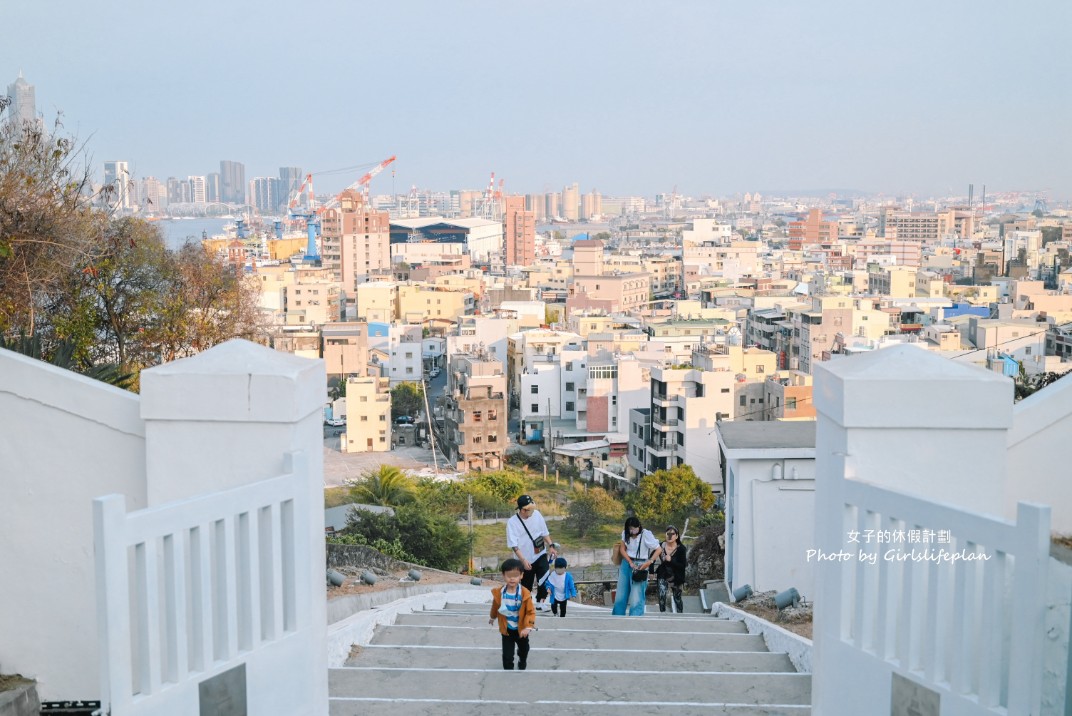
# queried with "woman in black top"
point(671, 571)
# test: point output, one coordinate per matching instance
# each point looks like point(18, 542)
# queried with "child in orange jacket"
point(512, 606)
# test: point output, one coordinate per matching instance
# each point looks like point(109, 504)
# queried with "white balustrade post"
point(228, 417)
point(907, 420)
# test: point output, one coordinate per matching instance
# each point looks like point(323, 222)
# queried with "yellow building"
point(420, 302)
point(377, 301)
point(368, 415)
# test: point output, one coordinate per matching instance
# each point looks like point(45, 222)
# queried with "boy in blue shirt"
point(560, 587)
point(512, 605)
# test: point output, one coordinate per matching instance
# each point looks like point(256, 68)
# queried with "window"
point(569, 407)
point(744, 401)
point(535, 409)
point(614, 400)
point(569, 365)
point(761, 369)
point(477, 439)
point(383, 440)
point(569, 387)
point(364, 418)
point(383, 418)
point(790, 403)
point(364, 399)
point(493, 415)
point(725, 390)
point(477, 416)
point(493, 438)
point(535, 389)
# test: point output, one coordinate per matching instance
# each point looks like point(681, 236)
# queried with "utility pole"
point(471, 566)
point(431, 434)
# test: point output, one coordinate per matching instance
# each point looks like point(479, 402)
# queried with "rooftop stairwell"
point(448, 661)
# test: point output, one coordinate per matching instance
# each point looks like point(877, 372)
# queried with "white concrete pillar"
point(909, 420)
point(226, 417)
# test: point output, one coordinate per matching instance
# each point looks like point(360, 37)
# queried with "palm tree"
point(62, 355)
point(388, 487)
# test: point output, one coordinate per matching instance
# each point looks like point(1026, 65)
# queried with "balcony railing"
point(664, 422)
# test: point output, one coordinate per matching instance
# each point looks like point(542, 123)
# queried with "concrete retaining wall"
point(22, 701)
point(778, 639)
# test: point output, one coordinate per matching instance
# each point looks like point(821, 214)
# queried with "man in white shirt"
point(529, 539)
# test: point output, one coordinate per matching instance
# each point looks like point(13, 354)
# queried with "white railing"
point(188, 589)
point(961, 614)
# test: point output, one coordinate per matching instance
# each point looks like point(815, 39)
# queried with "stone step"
point(570, 686)
point(489, 657)
point(707, 625)
point(363, 706)
point(652, 612)
point(564, 637)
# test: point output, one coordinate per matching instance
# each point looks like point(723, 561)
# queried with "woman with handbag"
point(638, 549)
point(670, 575)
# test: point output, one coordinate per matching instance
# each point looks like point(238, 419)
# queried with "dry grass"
point(9, 682)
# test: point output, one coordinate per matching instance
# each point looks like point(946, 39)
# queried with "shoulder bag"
point(537, 544)
point(639, 575)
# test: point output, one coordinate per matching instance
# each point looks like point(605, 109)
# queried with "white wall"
point(65, 439)
point(1038, 454)
point(774, 524)
point(547, 378)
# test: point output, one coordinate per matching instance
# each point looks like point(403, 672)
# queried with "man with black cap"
point(529, 539)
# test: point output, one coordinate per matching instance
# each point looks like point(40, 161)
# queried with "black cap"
point(523, 501)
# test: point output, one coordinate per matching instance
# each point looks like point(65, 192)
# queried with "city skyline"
point(623, 97)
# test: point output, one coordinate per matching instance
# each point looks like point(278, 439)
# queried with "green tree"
point(503, 485)
point(433, 539)
point(388, 486)
point(48, 227)
point(407, 399)
point(668, 496)
point(592, 508)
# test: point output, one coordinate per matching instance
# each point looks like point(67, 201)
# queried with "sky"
point(713, 97)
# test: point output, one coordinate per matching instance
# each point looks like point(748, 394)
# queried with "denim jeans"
point(631, 594)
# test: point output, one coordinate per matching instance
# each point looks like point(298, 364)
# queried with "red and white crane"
point(361, 184)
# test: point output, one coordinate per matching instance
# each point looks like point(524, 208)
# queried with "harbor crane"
point(361, 184)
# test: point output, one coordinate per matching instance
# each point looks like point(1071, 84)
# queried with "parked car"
point(335, 423)
point(434, 372)
point(404, 420)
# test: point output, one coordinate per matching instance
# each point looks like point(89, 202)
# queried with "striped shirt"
point(512, 605)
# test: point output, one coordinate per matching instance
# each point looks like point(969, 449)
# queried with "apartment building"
point(788, 396)
point(296, 295)
point(368, 415)
point(686, 404)
point(418, 302)
point(613, 293)
point(680, 336)
point(519, 232)
point(614, 385)
point(730, 260)
point(405, 346)
point(893, 281)
point(377, 301)
point(897, 252)
point(345, 350)
point(816, 330)
point(812, 231)
point(356, 240)
point(474, 433)
point(473, 334)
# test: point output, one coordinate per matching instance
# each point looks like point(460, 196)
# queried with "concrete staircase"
point(448, 662)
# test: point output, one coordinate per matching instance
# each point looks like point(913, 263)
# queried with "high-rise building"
point(571, 202)
point(290, 179)
point(813, 231)
point(153, 195)
point(232, 182)
point(519, 230)
point(591, 206)
point(553, 205)
point(23, 101)
point(197, 190)
point(536, 204)
point(356, 240)
point(264, 193)
point(212, 187)
point(117, 182)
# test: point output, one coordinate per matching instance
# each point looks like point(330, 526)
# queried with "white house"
point(769, 473)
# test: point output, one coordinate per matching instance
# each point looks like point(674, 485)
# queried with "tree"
point(503, 485)
point(406, 399)
point(388, 486)
point(433, 539)
point(668, 496)
point(592, 508)
point(47, 224)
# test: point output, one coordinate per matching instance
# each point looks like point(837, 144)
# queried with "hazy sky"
point(914, 96)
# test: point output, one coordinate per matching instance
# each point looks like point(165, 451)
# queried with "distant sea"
point(180, 231)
